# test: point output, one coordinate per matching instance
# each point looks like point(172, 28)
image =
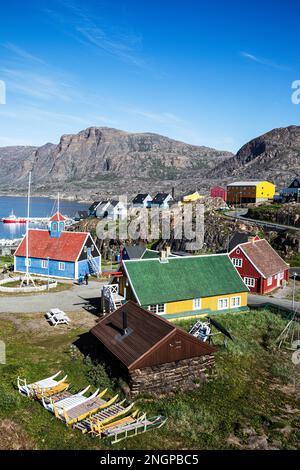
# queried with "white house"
point(112, 210)
point(101, 210)
point(161, 200)
point(141, 201)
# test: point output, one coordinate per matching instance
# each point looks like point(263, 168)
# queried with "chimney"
point(163, 256)
point(125, 323)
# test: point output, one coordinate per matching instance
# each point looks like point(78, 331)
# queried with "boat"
point(13, 219)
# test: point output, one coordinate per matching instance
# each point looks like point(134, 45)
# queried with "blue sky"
point(208, 73)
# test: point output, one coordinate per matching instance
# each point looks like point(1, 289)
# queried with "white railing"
point(108, 293)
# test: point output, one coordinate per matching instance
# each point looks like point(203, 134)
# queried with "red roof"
point(41, 245)
point(57, 217)
point(264, 257)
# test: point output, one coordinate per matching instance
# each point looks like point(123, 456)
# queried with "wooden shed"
point(155, 355)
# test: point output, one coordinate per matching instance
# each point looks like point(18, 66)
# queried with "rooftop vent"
point(125, 323)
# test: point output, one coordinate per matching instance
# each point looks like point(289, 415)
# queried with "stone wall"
point(171, 377)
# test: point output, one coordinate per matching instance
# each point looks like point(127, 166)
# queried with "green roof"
point(182, 278)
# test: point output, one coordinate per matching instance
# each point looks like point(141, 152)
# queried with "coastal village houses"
point(218, 191)
point(111, 210)
point(177, 287)
point(161, 200)
point(245, 192)
point(58, 253)
point(141, 201)
point(260, 266)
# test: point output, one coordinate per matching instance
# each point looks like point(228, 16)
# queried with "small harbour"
point(41, 209)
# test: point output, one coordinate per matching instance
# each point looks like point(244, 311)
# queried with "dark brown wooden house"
point(155, 355)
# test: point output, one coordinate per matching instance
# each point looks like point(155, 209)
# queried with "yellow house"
point(180, 287)
point(243, 192)
point(192, 198)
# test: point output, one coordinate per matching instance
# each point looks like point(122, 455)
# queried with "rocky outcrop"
point(273, 156)
point(285, 214)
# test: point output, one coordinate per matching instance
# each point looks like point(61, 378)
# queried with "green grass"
point(8, 259)
point(295, 260)
point(247, 391)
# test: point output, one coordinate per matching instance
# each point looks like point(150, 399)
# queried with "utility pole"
point(294, 290)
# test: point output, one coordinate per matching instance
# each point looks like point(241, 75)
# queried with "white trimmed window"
point(249, 281)
point(27, 262)
point(44, 263)
point(157, 308)
point(235, 301)
point(237, 262)
point(269, 281)
point(197, 304)
point(61, 266)
point(223, 304)
point(281, 276)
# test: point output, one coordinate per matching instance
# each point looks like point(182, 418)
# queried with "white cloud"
point(84, 26)
point(263, 61)
point(22, 53)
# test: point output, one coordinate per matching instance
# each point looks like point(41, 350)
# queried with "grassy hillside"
point(251, 402)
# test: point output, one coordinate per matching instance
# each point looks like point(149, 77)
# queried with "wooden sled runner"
point(44, 387)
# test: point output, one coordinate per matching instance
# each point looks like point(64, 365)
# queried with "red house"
point(259, 265)
point(218, 191)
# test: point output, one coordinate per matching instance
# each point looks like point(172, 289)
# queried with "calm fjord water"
point(39, 207)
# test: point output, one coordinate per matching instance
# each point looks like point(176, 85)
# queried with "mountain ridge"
point(103, 161)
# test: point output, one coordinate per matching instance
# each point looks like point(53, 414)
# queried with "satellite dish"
point(220, 328)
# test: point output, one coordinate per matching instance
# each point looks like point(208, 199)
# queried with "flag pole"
point(28, 277)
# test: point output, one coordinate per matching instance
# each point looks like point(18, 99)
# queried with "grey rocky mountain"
point(108, 161)
point(101, 161)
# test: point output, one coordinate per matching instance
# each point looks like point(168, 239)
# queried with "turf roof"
point(183, 278)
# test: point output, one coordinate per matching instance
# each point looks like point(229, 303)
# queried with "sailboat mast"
point(58, 202)
point(27, 230)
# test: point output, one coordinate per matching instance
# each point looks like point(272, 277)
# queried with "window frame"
point(223, 299)
point(156, 308)
point(233, 299)
point(60, 264)
point(252, 284)
point(197, 303)
point(269, 281)
point(239, 264)
point(45, 261)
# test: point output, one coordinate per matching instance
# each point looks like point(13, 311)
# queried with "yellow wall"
point(265, 190)
point(182, 306)
point(206, 303)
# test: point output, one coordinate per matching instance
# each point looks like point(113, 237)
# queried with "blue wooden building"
point(55, 252)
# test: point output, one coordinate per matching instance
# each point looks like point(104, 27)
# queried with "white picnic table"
point(57, 317)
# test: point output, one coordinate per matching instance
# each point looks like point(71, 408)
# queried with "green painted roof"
point(183, 278)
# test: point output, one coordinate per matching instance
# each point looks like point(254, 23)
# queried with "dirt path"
point(76, 299)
